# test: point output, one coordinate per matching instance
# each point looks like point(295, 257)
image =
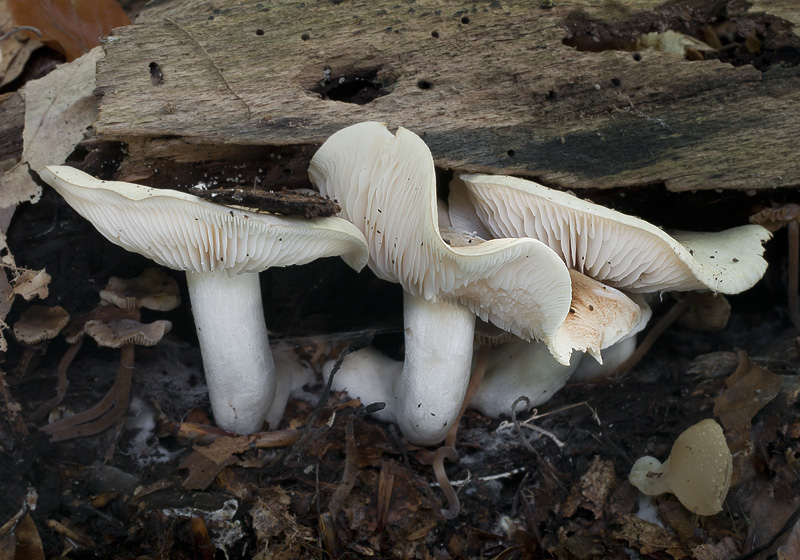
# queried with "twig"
point(533, 427)
point(528, 444)
point(28, 505)
point(786, 526)
point(221, 75)
point(463, 481)
point(301, 443)
point(658, 329)
point(385, 486)
point(527, 509)
point(350, 471)
point(21, 28)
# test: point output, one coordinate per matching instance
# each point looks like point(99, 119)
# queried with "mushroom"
point(152, 289)
point(386, 186)
point(37, 324)
point(698, 470)
point(221, 249)
point(616, 249)
point(600, 317)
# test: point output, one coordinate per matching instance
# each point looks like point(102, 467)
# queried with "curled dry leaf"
point(58, 109)
point(749, 390)
point(72, 27)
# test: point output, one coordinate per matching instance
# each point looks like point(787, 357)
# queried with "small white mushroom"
point(698, 470)
point(222, 250)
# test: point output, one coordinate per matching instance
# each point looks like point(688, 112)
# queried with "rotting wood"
point(490, 87)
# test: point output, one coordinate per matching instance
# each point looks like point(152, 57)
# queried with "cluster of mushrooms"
point(558, 277)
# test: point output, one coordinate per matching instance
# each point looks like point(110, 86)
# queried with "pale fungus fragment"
point(698, 470)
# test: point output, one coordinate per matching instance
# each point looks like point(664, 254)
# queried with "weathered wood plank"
point(490, 86)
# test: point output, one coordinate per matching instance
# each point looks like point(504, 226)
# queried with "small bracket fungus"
point(222, 250)
point(698, 470)
point(386, 185)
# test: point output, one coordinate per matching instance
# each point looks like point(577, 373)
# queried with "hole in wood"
point(422, 84)
point(709, 35)
point(465, 20)
point(156, 76)
point(359, 87)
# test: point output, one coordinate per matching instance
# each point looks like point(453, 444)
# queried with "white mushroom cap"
point(387, 188)
point(184, 232)
point(614, 248)
point(698, 470)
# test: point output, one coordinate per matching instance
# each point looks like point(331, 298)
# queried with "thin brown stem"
point(794, 258)
point(103, 415)
point(25, 360)
point(45, 408)
point(454, 505)
point(658, 329)
point(474, 382)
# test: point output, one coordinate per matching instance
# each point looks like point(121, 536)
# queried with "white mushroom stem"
point(424, 393)
point(438, 337)
point(240, 372)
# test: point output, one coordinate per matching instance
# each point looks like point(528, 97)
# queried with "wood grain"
point(490, 86)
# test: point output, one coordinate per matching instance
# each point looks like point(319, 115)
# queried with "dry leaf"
point(648, 537)
point(791, 549)
point(595, 486)
point(29, 543)
point(221, 449)
point(72, 27)
point(202, 470)
point(31, 283)
point(723, 550)
point(750, 388)
point(58, 109)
